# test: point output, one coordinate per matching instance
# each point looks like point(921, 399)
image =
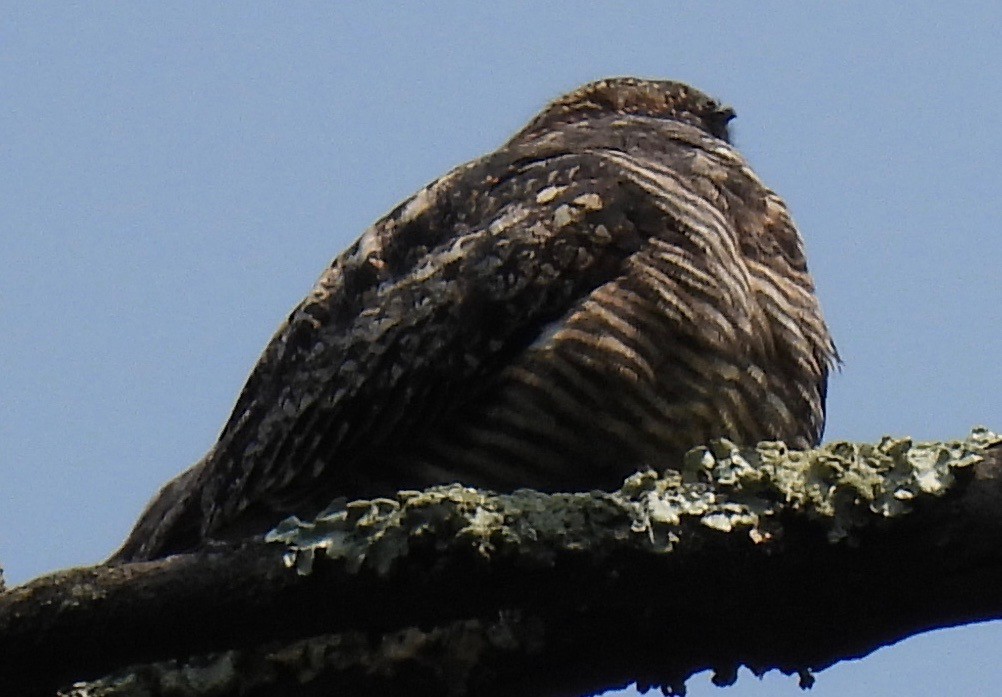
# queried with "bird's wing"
point(406, 324)
point(413, 320)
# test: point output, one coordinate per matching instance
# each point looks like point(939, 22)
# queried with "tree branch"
point(763, 557)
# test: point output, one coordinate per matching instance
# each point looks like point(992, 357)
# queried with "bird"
point(610, 288)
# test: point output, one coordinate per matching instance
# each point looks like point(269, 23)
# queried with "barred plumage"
point(610, 288)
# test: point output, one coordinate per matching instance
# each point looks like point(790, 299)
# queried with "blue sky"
point(174, 177)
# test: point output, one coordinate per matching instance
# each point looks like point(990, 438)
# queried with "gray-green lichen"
point(842, 484)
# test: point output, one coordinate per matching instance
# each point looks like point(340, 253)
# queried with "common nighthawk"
point(608, 289)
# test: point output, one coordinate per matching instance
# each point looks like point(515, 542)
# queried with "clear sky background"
point(173, 177)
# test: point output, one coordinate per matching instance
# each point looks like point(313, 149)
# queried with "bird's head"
point(635, 96)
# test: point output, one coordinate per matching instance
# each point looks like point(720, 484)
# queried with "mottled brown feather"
point(610, 288)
